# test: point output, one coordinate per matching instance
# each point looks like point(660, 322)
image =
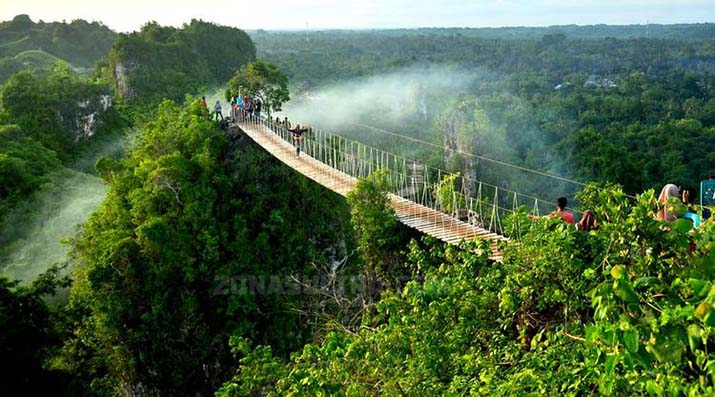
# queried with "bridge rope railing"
point(461, 197)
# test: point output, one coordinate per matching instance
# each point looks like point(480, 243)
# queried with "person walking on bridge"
point(298, 138)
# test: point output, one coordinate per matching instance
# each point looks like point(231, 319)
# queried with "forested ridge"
point(26, 45)
point(210, 268)
point(587, 99)
point(165, 62)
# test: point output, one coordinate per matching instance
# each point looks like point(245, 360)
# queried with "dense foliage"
point(318, 56)
point(165, 62)
point(380, 237)
point(25, 45)
point(553, 100)
point(32, 331)
point(622, 310)
point(263, 81)
point(170, 262)
point(210, 268)
point(48, 122)
point(24, 164)
point(55, 109)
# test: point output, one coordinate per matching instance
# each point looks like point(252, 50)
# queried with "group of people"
point(245, 106)
point(588, 219)
point(285, 123)
point(672, 200)
point(684, 196)
point(241, 106)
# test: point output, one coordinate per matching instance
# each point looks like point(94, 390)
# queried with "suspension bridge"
point(451, 208)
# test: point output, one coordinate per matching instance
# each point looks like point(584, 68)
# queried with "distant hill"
point(317, 56)
point(26, 45)
point(27, 60)
point(79, 43)
point(683, 32)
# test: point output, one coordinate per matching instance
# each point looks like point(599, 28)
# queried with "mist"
point(427, 102)
point(405, 97)
point(33, 233)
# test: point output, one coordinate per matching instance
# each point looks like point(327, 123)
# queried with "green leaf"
point(709, 318)
point(695, 334)
point(618, 272)
point(610, 365)
point(702, 309)
point(700, 287)
point(667, 350)
point(683, 226)
point(624, 290)
point(631, 340)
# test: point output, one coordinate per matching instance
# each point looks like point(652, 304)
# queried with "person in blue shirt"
point(695, 213)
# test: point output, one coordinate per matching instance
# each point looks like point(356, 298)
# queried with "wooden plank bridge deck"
point(427, 220)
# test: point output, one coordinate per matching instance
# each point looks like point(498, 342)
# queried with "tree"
point(566, 312)
point(196, 241)
point(376, 226)
point(166, 62)
point(31, 329)
point(24, 164)
point(263, 80)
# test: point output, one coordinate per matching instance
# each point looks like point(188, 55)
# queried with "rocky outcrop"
point(454, 140)
point(123, 69)
point(83, 117)
point(450, 136)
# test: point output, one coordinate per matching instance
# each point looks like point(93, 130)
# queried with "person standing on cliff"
point(217, 110)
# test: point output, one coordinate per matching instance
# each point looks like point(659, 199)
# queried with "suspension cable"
point(480, 157)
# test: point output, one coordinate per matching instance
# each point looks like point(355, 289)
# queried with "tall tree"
point(263, 80)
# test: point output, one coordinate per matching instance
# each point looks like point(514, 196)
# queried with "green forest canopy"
point(588, 98)
point(165, 62)
point(27, 45)
point(626, 309)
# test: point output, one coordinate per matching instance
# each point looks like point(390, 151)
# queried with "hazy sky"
point(127, 15)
